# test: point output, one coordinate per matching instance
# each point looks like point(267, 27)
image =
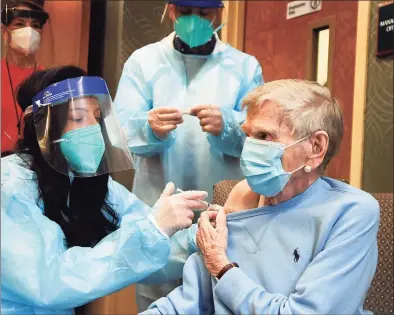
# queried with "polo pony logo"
point(296, 255)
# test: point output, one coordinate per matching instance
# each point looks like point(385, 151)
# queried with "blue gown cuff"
point(231, 134)
point(152, 219)
point(153, 139)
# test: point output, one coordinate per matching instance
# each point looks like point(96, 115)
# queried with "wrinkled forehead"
point(266, 115)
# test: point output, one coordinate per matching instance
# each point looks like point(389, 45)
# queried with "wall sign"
point(385, 29)
point(302, 7)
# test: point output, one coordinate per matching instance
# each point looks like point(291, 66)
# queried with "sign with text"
point(385, 29)
point(302, 7)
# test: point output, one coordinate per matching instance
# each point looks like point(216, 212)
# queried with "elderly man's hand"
point(213, 241)
point(210, 118)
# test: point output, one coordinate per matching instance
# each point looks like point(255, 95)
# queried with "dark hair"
point(34, 5)
point(38, 6)
point(88, 217)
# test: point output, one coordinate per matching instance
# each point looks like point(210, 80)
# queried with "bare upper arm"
point(242, 197)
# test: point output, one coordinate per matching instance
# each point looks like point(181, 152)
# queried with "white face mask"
point(25, 40)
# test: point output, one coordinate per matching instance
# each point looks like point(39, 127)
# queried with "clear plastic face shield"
point(26, 34)
point(77, 129)
point(195, 25)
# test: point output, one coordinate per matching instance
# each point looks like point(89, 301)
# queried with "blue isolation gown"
point(39, 275)
point(158, 75)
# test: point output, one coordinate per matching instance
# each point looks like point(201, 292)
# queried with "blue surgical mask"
point(194, 30)
point(261, 163)
point(83, 148)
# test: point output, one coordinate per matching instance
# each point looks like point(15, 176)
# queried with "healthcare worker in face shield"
point(179, 103)
point(69, 233)
point(21, 28)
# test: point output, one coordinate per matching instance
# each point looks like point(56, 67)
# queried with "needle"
point(207, 204)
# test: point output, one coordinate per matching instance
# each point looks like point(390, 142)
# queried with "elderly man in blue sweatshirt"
point(309, 243)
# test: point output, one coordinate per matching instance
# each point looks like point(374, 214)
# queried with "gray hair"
point(306, 107)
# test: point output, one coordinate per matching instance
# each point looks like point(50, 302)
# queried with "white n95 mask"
point(26, 40)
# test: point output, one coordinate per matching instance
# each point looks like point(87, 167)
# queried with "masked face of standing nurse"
point(195, 25)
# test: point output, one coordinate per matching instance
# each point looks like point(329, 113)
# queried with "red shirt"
point(9, 119)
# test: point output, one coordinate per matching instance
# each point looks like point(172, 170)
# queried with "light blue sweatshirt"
point(313, 254)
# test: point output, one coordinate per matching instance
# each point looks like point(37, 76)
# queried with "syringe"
point(207, 204)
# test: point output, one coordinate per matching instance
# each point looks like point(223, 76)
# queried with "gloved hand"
point(174, 212)
point(162, 120)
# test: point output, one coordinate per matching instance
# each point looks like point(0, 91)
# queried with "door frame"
point(233, 32)
point(360, 94)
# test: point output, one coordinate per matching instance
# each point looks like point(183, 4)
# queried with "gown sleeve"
point(37, 271)
point(133, 101)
